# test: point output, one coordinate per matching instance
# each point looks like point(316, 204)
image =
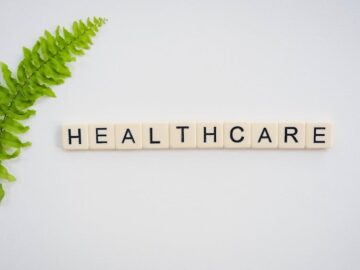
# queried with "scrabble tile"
point(318, 135)
point(128, 136)
point(209, 135)
point(75, 137)
point(237, 135)
point(292, 135)
point(264, 135)
point(183, 135)
point(102, 136)
point(155, 135)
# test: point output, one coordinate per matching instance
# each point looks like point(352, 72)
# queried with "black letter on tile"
point(78, 136)
point(151, 137)
point(318, 134)
point(232, 134)
point(182, 132)
point(100, 135)
point(292, 134)
point(128, 135)
point(209, 133)
point(264, 135)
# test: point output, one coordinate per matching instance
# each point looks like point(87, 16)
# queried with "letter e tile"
point(102, 136)
point(318, 135)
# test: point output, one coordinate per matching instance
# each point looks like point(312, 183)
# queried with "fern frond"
point(43, 66)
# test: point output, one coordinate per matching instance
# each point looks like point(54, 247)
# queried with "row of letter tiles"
point(234, 135)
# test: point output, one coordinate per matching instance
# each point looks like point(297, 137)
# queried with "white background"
point(217, 209)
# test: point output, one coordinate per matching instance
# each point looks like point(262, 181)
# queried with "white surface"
point(212, 209)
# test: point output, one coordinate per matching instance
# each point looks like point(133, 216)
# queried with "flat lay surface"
point(190, 61)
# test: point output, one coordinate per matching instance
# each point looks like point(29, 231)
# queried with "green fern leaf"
point(4, 155)
point(4, 174)
point(42, 67)
point(2, 193)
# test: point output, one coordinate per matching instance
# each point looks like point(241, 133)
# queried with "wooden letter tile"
point(209, 135)
point(183, 135)
point(264, 135)
point(128, 136)
point(318, 135)
point(75, 137)
point(237, 135)
point(102, 136)
point(292, 135)
point(155, 135)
